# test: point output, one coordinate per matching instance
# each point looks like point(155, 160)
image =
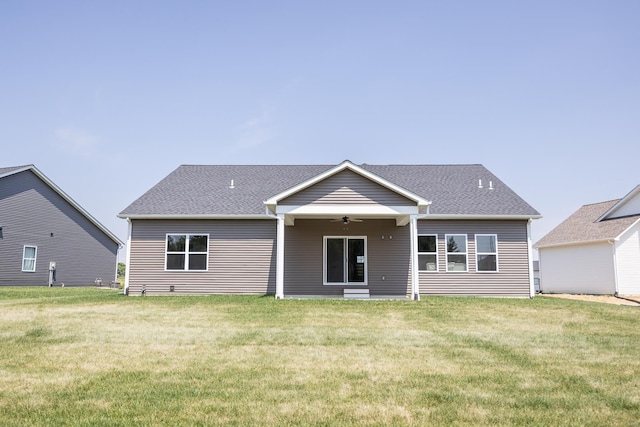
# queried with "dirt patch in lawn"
point(607, 299)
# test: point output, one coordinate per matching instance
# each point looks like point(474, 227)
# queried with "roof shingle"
point(581, 226)
point(205, 189)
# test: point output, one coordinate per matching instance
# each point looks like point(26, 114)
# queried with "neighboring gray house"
point(594, 251)
point(330, 231)
point(40, 224)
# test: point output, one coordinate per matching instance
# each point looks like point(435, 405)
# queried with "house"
point(46, 237)
point(594, 251)
point(379, 231)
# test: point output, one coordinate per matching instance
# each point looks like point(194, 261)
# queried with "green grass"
point(91, 357)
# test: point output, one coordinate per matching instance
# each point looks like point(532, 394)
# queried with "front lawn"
point(91, 357)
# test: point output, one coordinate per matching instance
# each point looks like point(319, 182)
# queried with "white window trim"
point(324, 262)
point(186, 252)
point(465, 253)
point(495, 236)
point(430, 253)
point(35, 258)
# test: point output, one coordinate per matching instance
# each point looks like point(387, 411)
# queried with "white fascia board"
point(506, 217)
point(195, 216)
point(273, 201)
point(576, 243)
point(621, 202)
point(69, 200)
point(331, 210)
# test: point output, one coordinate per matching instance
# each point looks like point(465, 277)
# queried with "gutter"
point(472, 216)
point(577, 242)
point(193, 216)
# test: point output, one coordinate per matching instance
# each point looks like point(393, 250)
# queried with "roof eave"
point(194, 216)
point(615, 238)
point(575, 243)
point(478, 216)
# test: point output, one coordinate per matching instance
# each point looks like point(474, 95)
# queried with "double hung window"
point(486, 252)
point(29, 254)
point(428, 252)
point(456, 252)
point(187, 252)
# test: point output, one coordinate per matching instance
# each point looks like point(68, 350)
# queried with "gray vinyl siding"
point(388, 257)
point(512, 279)
point(242, 257)
point(30, 212)
point(347, 187)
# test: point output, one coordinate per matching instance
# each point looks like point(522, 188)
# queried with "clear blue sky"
point(108, 97)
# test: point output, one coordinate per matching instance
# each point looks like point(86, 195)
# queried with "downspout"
point(532, 289)
point(415, 279)
point(127, 258)
point(280, 258)
point(615, 267)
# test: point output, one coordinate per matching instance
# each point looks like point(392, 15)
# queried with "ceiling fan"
point(346, 220)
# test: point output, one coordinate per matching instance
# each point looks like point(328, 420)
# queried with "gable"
point(347, 187)
point(28, 203)
point(16, 178)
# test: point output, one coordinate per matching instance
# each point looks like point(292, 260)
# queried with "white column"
point(532, 288)
point(127, 258)
point(280, 258)
point(615, 266)
point(415, 280)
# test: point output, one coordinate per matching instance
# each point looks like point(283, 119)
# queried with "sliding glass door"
point(345, 260)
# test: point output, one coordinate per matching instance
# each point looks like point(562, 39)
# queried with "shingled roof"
point(583, 226)
point(193, 190)
point(8, 170)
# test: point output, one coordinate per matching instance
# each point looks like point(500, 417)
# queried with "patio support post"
point(415, 280)
point(280, 258)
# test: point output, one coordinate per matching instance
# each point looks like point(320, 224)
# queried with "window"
point(29, 258)
point(187, 252)
point(428, 252)
point(486, 252)
point(345, 260)
point(456, 252)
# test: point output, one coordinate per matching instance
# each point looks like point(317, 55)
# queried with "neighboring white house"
point(594, 251)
